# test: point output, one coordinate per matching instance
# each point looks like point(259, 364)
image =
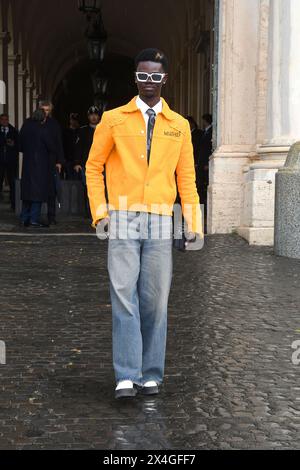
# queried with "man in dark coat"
point(57, 157)
point(205, 151)
point(196, 141)
point(37, 145)
point(83, 146)
point(9, 152)
point(85, 139)
point(70, 137)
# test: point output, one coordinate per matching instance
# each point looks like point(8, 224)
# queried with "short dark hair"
point(208, 118)
point(46, 103)
point(152, 55)
point(4, 115)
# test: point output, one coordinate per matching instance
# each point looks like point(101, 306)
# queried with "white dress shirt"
point(5, 129)
point(144, 108)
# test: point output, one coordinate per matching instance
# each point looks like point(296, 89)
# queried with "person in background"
point(205, 151)
point(56, 159)
point(82, 148)
point(9, 152)
point(37, 145)
point(196, 140)
point(85, 139)
point(70, 136)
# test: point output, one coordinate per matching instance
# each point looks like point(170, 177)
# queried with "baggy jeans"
point(140, 271)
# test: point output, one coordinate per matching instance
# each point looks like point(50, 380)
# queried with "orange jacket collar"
point(132, 107)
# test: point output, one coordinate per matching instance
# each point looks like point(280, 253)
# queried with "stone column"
point(35, 98)
point(4, 39)
point(283, 126)
point(278, 122)
point(13, 61)
point(29, 93)
point(237, 109)
point(22, 74)
point(257, 214)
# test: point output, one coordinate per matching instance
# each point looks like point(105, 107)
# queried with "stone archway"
point(52, 44)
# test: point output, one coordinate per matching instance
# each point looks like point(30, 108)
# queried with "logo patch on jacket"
point(172, 133)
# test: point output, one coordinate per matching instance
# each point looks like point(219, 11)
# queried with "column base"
point(260, 236)
point(258, 207)
point(225, 191)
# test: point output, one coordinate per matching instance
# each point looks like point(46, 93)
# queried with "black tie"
point(151, 123)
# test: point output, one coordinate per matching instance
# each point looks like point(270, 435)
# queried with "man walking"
point(196, 141)
point(9, 152)
point(56, 159)
point(36, 143)
point(143, 146)
point(205, 151)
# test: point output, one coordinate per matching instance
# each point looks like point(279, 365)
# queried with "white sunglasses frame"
point(149, 75)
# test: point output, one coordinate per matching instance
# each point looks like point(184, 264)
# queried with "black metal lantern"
point(97, 37)
point(96, 49)
point(89, 6)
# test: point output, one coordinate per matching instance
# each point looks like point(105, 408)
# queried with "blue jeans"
point(31, 212)
point(140, 270)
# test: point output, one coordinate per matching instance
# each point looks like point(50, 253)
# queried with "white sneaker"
point(125, 389)
point(124, 384)
point(150, 383)
point(150, 388)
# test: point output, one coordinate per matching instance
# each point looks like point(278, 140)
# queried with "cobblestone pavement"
point(9, 223)
point(229, 382)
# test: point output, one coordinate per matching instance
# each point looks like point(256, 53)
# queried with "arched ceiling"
point(53, 30)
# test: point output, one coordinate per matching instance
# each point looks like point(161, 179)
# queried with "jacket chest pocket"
point(171, 133)
point(170, 138)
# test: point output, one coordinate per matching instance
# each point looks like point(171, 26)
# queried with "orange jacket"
point(120, 145)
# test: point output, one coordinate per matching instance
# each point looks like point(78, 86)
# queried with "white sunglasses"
point(154, 77)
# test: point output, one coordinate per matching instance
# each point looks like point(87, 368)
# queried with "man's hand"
point(105, 223)
point(193, 242)
point(59, 167)
point(78, 168)
point(102, 228)
point(191, 237)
